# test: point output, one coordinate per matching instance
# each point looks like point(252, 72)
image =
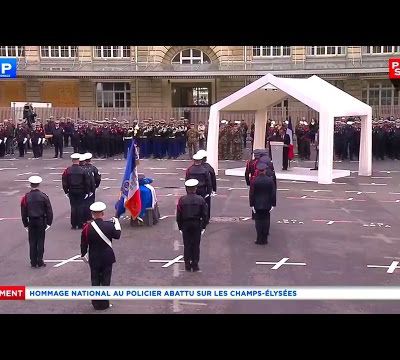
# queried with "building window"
point(58, 51)
point(380, 94)
point(370, 50)
point(190, 57)
point(112, 52)
point(271, 51)
point(326, 50)
point(12, 51)
point(113, 95)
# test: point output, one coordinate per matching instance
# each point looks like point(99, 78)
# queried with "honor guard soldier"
point(95, 179)
point(22, 137)
point(192, 218)
point(96, 238)
point(76, 185)
point(37, 217)
point(251, 166)
point(262, 197)
point(203, 155)
point(199, 172)
point(58, 140)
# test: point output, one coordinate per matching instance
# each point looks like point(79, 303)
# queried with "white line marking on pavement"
point(372, 184)
point(184, 169)
point(390, 269)
point(117, 168)
point(360, 192)
point(21, 180)
point(283, 189)
point(164, 217)
point(392, 193)
point(317, 190)
point(178, 259)
point(9, 193)
point(278, 264)
point(28, 173)
point(55, 173)
point(231, 188)
point(219, 179)
point(1, 169)
point(75, 258)
point(166, 173)
point(192, 303)
point(155, 168)
point(386, 239)
point(381, 177)
point(108, 179)
point(57, 180)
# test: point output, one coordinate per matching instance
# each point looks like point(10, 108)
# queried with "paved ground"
point(337, 230)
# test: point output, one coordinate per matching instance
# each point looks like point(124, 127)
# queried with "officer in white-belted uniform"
point(96, 239)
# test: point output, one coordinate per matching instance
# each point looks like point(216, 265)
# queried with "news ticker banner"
point(202, 293)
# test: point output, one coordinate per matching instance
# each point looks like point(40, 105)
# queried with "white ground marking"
point(76, 258)
point(360, 192)
point(21, 180)
point(390, 269)
point(278, 264)
point(381, 177)
point(231, 188)
point(219, 179)
point(386, 239)
point(108, 179)
point(166, 173)
point(318, 190)
point(372, 184)
point(178, 259)
point(28, 173)
point(9, 193)
point(155, 168)
point(192, 303)
point(1, 169)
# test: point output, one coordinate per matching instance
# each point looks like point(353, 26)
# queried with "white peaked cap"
point(88, 156)
point(191, 182)
point(35, 179)
point(202, 153)
point(82, 157)
point(197, 156)
point(75, 156)
point(98, 206)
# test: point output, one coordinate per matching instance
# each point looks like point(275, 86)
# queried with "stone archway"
point(173, 50)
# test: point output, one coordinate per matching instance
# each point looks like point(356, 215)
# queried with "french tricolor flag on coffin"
point(130, 193)
point(289, 131)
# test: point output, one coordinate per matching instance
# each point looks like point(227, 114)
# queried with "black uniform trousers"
point(262, 222)
point(191, 232)
point(100, 276)
point(36, 234)
point(21, 148)
point(77, 202)
point(36, 150)
point(285, 159)
point(58, 148)
point(208, 201)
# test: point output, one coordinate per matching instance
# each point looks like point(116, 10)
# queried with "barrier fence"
point(195, 115)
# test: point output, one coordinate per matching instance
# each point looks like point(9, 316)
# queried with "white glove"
point(1, 141)
point(203, 231)
point(85, 258)
point(47, 228)
point(5, 140)
point(67, 196)
point(213, 193)
point(117, 224)
point(180, 231)
point(272, 208)
point(25, 140)
point(26, 229)
point(91, 194)
point(206, 196)
point(253, 210)
point(86, 196)
point(38, 142)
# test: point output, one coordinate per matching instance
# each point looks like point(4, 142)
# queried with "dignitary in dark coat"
point(262, 198)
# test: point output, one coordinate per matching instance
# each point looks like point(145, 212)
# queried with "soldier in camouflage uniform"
point(192, 140)
point(223, 141)
point(237, 142)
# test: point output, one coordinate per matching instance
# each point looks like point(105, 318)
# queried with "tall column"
point(325, 143)
point(365, 160)
point(259, 129)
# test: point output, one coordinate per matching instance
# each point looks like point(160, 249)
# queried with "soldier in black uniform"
point(199, 172)
point(95, 179)
point(203, 155)
point(58, 140)
point(37, 217)
point(37, 137)
point(76, 185)
point(22, 137)
point(97, 239)
point(262, 198)
point(191, 216)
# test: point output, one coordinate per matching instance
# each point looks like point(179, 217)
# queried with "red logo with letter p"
point(394, 68)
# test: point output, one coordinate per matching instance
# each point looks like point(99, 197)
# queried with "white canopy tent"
point(314, 92)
